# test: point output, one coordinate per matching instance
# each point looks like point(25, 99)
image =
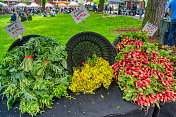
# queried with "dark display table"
point(167, 110)
point(104, 103)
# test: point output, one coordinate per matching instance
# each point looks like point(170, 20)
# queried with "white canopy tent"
point(62, 5)
point(73, 4)
point(48, 5)
point(89, 3)
point(3, 4)
point(114, 1)
point(21, 5)
point(33, 5)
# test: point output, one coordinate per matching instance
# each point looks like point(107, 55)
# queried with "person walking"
point(172, 14)
point(106, 8)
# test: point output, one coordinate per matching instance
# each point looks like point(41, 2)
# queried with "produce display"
point(134, 35)
point(33, 74)
point(91, 76)
point(144, 73)
point(36, 72)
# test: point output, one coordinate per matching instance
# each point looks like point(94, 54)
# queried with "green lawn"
point(63, 27)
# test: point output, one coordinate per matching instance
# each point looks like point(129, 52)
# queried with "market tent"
point(48, 5)
point(62, 5)
point(114, 1)
point(62, 2)
point(80, 3)
point(3, 4)
point(21, 5)
point(33, 5)
point(73, 4)
point(88, 2)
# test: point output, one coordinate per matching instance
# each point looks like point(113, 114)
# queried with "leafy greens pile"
point(34, 74)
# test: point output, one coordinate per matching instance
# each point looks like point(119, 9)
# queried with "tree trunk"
point(43, 6)
point(101, 5)
point(154, 11)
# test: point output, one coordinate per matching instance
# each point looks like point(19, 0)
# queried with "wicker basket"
point(20, 42)
point(116, 41)
point(84, 45)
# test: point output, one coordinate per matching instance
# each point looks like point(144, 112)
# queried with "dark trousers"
point(172, 42)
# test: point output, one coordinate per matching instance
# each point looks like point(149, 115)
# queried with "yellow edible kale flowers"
point(92, 76)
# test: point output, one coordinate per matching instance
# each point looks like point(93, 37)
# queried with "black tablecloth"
point(167, 110)
point(104, 103)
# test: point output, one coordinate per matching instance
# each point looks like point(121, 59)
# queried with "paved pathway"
point(136, 16)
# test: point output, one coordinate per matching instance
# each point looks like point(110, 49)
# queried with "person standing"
point(134, 9)
point(73, 8)
point(172, 14)
point(110, 8)
point(106, 8)
point(13, 10)
point(0, 10)
point(141, 8)
point(3, 12)
point(94, 7)
point(19, 13)
point(25, 9)
point(87, 6)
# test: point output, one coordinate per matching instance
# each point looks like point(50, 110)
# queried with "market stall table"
point(167, 110)
point(103, 103)
point(126, 12)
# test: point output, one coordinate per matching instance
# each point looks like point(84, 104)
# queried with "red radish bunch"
point(145, 79)
point(127, 41)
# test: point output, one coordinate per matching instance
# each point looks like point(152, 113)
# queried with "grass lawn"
point(63, 27)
